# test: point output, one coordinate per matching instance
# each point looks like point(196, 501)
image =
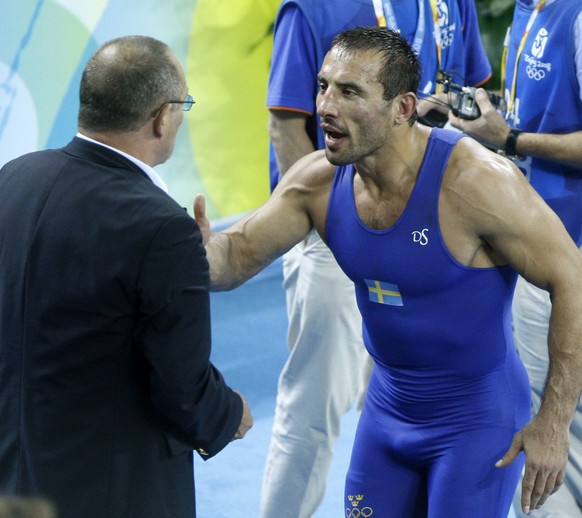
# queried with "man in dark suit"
point(106, 387)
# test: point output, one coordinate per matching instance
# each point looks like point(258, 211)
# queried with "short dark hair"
point(400, 72)
point(125, 81)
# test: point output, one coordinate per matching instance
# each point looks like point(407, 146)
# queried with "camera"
point(465, 106)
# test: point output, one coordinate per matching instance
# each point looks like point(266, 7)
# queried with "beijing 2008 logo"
point(535, 68)
point(539, 44)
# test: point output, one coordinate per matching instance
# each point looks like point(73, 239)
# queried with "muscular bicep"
point(531, 238)
point(510, 223)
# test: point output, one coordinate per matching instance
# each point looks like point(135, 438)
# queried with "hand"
point(546, 451)
point(439, 102)
point(489, 128)
point(246, 422)
point(200, 217)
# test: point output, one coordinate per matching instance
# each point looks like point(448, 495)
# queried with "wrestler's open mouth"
point(334, 135)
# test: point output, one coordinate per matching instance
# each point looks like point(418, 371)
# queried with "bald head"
point(125, 82)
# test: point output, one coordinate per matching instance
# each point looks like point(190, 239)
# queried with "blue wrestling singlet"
point(448, 391)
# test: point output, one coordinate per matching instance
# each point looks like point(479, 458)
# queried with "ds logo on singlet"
point(420, 236)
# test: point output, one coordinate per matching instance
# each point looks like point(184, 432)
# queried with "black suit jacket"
point(105, 381)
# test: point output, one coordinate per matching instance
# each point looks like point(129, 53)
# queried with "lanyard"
point(386, 18)
point(528, 27)
point(436, 32)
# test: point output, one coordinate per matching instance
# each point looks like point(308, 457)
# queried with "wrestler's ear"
point(405, 105)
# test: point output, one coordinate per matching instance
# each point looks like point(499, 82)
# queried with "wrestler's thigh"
point(378, 483)
point(464, 480)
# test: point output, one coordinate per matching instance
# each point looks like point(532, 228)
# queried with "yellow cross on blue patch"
point(384, 293)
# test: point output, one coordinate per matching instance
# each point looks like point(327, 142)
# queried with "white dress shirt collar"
point(150, 171)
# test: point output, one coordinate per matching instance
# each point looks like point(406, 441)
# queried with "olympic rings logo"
point(535, 73)
point(364, 512)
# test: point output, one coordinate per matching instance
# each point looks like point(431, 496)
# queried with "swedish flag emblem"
point(384, 293)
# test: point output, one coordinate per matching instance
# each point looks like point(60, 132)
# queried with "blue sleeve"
point(478, 68)
point(293, 74)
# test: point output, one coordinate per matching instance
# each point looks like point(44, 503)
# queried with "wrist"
point(511, 142)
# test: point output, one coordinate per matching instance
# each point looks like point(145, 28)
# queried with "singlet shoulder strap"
point(436, 157)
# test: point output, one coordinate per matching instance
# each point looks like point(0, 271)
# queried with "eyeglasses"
point(186, 104)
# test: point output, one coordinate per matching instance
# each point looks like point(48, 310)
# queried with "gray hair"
point(125, 82)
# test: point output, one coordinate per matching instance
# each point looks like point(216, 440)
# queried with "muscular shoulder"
point(308, 183)
point(313, 171)
point(480, 177)
point(483, 196)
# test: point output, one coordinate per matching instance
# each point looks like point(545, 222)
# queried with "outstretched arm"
point(234, 256)
point(241, 251)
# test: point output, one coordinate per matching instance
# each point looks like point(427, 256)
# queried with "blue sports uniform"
point(448, 392)
point(546, 78)
point(311, 26)
point(547, 100)
point(326, 372)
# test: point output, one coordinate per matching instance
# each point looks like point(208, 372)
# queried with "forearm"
point(564, 380)
point(252, 243)
point(565, 149)
point(232, 263)
point(226, 270)
point(288, 133)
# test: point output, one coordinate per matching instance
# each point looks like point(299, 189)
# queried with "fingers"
point(199, 206)
point(455, 121)
point(546, 450)
point(482, 98)
point(247, 420)
point(489, 128)
point(200, 217)
point(537, 486)
point(512, 453)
